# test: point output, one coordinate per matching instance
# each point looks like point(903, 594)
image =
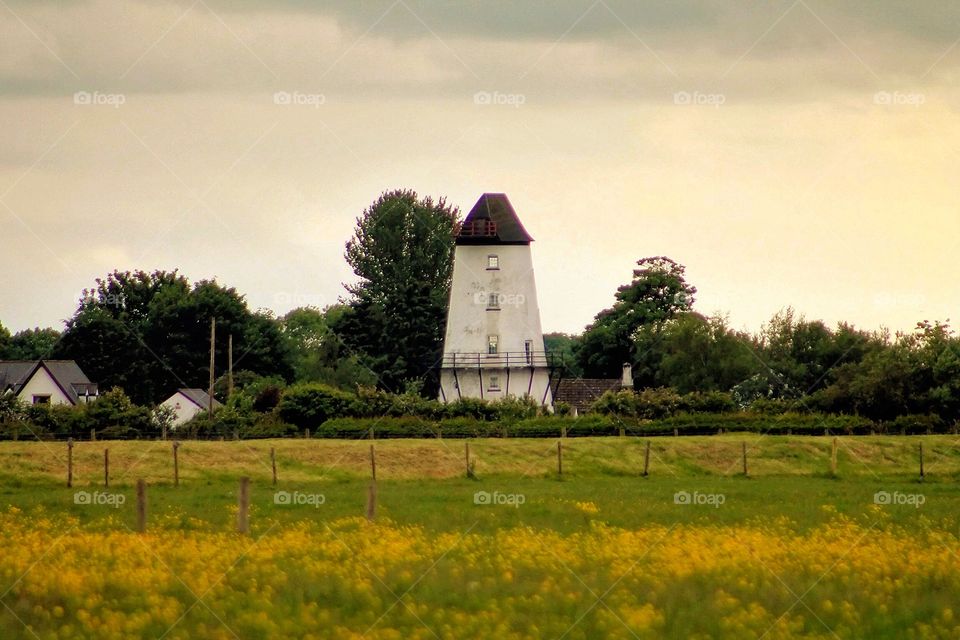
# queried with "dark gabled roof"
point(199, 397)
point(583, 392)
point(67, 374)
point(492, 221)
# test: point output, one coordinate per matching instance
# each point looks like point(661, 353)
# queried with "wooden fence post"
point(676, 432)
point(372, 501)
point(306, 434)
point(563, 431)
point(163, 433)
point(921, 461)
point(744, 447)
point(141, 505)
point(176, 463)
point(273, 463)
point(646, 460)
point(833, 457)
point(559, 458)
point(106, 467)
point(243, 506)
point(93, 435)
point(467, 459)
point(69, 462)
point(372, 490)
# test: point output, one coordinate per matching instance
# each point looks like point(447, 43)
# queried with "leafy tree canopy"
point(402, 253)
point(149, 334)
point(657, 293)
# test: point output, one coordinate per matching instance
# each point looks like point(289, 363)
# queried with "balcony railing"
point(481, 228)
point(480, 360)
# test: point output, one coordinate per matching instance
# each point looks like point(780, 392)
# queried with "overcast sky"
point(787, 152)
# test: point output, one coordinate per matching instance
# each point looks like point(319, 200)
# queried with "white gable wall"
point(182, 406)
point(41, 384)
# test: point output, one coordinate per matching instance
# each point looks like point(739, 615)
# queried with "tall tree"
point(703, 354)
point(402, 251)
point(149, 334)
point(657, 293)
point(563, 348)
point(4, 342)
point(319, 353)
point(32, 344)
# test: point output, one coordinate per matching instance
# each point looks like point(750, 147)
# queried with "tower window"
point(492, 342)
point(493, 261)
point(493, 300)
point(494, 383)
point(528, 350)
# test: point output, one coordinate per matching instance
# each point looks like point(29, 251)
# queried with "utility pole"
point(230, 367)
point(213, 341)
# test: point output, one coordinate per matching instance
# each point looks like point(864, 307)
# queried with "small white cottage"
point(187, 403)
point(46, 382)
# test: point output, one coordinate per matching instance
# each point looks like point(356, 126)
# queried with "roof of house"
point(581, 393)
point(67, 374)
point(199, 397)
point(492, 221)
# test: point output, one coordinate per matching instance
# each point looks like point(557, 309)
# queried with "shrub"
point(267, 399)
point(617, 403)
point(59, 421)
point(268, 425)
point(708, 402)
point(115, 409)
point(472, 428)
point(389, 427)
point(225, 422)
point(916, 424)
point(553, 426)
point(307, 406)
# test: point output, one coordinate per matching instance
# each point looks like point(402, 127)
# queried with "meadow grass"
point(788, 551)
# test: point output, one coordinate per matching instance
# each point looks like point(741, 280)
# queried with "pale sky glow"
point(788, 153)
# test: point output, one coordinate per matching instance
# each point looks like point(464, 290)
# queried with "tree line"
point(148, 333)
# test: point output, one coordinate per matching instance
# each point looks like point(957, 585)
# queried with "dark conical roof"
point(493, 221)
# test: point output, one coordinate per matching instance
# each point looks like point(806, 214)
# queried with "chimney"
point(626, 381)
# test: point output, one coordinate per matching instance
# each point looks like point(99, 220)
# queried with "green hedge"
point(598, 425)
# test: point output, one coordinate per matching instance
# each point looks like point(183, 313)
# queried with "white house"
point(46, 382)
point(493, 346)
point(187, 403)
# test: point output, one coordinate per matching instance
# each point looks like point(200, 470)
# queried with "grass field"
point(695, 549)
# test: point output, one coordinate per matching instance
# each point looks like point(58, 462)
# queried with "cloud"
point(557, 50)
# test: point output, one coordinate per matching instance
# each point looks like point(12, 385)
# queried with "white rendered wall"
point(183, 407)
point(42, 384)
point(470, 323)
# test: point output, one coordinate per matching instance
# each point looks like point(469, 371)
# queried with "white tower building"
point(493, 346)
